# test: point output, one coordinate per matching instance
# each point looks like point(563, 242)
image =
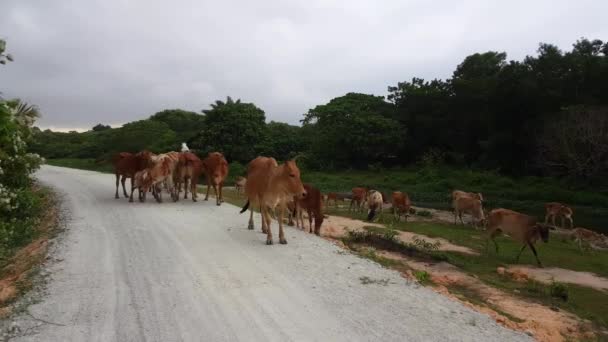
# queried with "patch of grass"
point(423, 277)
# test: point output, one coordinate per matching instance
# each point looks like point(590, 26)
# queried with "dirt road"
point(192, 272)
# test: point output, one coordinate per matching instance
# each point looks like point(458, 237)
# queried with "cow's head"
point(293, 183)
point(543, 231)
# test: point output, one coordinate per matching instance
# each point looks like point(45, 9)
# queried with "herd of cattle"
point(270, 186)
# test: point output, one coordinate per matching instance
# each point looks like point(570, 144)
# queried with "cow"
point(358, 199)
point(459, 193)
point(313, 205)
point(589, 237)
point(554, 209)
point(268, 186)
point(472, 205)
point(336, 196)
point(189, 168)
point(162, 170)
point(127, 164)
point(215, 168)
point(239, 184)
point(401, 205)
point(374, 202)
point(519, 227)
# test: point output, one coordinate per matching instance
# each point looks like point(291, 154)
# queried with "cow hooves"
point(269, 242)
point(218, 204)
point(194, 200)
point(283, 241)
point(206, 199)
point(130, 200)
point(117, 197)
point(250, 226)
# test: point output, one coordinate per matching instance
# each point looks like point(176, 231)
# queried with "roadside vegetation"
point(26, 210)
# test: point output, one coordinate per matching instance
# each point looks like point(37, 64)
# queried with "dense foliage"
point(17, 201)
point(494, 114)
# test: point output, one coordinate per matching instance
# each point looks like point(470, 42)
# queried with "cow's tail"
point(245, 207)
point(372, 213)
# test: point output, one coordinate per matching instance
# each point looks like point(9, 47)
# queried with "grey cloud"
point(118, 61)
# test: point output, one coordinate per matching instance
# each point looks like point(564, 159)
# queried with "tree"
point(99, 127)
point(185, 124)
point(4, 57)
point(286, 141)
point(575, 144)
point(354, 130)
point(235, 128)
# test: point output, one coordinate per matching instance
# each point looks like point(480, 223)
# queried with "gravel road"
point(192, 272)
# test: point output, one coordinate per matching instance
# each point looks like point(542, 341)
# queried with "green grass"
point(83, 164)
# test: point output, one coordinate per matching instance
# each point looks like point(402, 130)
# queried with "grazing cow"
point(189, 168)
point(374, 202)
point(519, 227)
point(127, 164)
point(591, 238)
point(270, 185)
point(337, 196)
point(215, 168)
point(401, 205)
point(358, 199)
point(554, 209)
point(162, 170)
point(465, 204)
point(239, 184)
point(459, 193)
point(313, 205)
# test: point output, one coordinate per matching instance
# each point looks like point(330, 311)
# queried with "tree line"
point(544, 115)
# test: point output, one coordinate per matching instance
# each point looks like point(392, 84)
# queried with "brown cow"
point(189, 168)
point(161, 171)
point(401, 205)
point(215, 168)
point(127, 164)
point(270, 185)
point(554, 209)
point(589, 237)
point(313, 205)
point(359, 197)
point(464, 204)
point(459, 193)
point(519, 227)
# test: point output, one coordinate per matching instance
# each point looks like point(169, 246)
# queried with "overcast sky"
point(84, 62)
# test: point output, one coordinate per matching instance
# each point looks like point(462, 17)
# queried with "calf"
point(270, 185)
point(465, 204)
point(401, 205)
point(591, 238)
point(374, 202)
point(358, 198)
point(189, 168)
point(215, 168)
point(127, 164)
point(313, 205)
point(520, 227)
point(554, 209)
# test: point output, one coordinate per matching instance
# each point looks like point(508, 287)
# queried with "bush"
point(423, 276)
point(558, 290)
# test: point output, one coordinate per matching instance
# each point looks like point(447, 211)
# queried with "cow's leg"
point(124, 188)
point(266, 221)
point(217, 195)
point(281, 232)
point(131, 197)
point(117, 182)
point(520, 251)
point(547, 218)
point(310, 221)
point(553, 219)
point(250, 225)
point(208, 187)
point(350, 207)
point(221, 186)
point(193, 192)
point(535, 254)
point(571, 222)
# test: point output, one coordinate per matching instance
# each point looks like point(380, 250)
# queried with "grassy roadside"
point(82, 164)
point(20, 257)
point(584, 302)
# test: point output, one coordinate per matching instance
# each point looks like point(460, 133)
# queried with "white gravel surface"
point(193, 272)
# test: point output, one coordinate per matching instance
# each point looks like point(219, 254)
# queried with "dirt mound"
point(547, 275)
